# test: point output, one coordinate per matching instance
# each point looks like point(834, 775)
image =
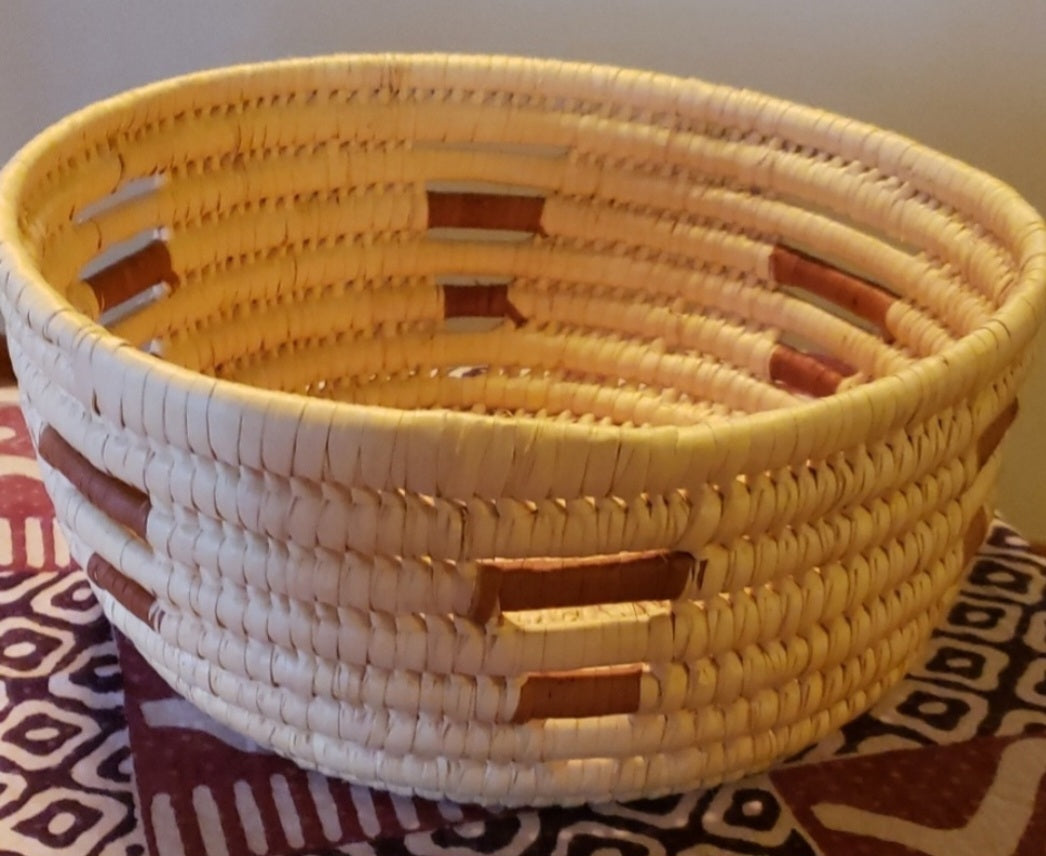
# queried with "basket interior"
point(583, 253)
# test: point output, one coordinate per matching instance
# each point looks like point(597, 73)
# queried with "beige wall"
point(966, 76)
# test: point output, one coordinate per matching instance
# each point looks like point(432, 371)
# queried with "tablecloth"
point(98, 757)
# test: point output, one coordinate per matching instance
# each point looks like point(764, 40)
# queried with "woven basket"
point(509, 430)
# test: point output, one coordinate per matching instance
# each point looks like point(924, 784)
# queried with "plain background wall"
point(964, 76)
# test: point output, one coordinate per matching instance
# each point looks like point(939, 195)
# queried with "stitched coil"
point(510, 430)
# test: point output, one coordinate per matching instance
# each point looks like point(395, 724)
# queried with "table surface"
point(99, 757)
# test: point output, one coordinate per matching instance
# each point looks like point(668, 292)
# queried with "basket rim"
point(944, 378)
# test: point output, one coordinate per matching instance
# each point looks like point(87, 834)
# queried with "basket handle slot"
point(132, 191)
point(493, 211)
point(123, 503)
point(518, 584)
point(129, 594)
point(855, 295)
point(807, 373)
point(132, 275)
point(579, 694)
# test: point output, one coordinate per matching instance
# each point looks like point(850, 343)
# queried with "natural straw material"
point(509, 430)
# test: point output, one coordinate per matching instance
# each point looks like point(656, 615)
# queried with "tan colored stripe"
point(250, 817)
point(133, 274)
point(123, 503)
point(993, 435)
point(165, 827)
point(127, 592)
point(485, 211)
point(286, 810)
point(34, 542)
point(479, 301)
point(803, 372)
point(543, 583)
point(7, 546)
point(326, 807)
point(579, 694)
point(208, 817)
point(864, 299)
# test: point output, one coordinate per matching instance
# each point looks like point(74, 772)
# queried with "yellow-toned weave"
point(508, 430)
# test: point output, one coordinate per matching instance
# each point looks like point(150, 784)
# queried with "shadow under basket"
point(514, 431)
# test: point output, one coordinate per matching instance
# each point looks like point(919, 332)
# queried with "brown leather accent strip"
point(7, 371)
point(127, 592)
point(123, 503)
point(479, 301)
point(485, 211)
point(133, 274)
point(484, 603)
point(543, 583)
point(475, 301)
point(579, 694)
point(859, 296)
point(803, 372)
point(976, 532)
point(993, 435)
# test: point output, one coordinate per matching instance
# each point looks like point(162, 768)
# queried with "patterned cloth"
point(98, 757)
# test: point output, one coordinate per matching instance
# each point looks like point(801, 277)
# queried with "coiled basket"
point(514, 431)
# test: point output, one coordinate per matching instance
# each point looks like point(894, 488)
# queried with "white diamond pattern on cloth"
point(65, 777)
